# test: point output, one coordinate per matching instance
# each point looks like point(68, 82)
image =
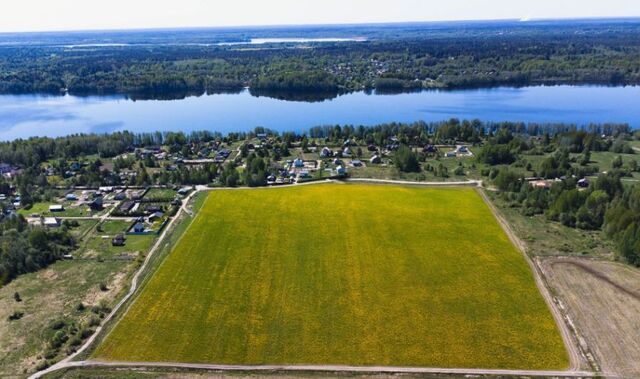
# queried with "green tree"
point(406, 160)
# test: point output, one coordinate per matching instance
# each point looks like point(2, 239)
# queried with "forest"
point(399, 58)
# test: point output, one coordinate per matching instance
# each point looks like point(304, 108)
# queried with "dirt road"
point(335, 369)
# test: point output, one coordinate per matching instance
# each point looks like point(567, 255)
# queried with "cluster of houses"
point(460, 151)
point(8, 171)
point(548, 183)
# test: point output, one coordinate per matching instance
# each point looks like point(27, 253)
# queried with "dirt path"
point(471, 183)
point(577, 356)
point(337, 369)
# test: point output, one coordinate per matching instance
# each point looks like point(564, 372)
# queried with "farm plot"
point(603, 298)
point(342, 274)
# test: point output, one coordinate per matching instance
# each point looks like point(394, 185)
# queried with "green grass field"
point(342, 274)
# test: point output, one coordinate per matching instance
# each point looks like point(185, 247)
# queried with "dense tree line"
point(622, 223)
point(410, 58)
point(25, 249)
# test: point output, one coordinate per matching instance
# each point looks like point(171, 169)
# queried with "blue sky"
point(38, 15)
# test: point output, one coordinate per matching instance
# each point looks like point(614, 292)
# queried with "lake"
point(24, 116)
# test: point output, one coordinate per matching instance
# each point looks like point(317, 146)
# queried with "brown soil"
point(603, 300)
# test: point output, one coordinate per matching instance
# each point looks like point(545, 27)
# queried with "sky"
point(49, 15)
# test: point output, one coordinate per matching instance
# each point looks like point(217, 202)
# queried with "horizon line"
point(523, 20)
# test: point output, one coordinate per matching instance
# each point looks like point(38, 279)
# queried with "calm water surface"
point(35, 115)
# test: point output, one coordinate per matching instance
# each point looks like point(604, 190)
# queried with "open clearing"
point(603, 299)
point(342, 274)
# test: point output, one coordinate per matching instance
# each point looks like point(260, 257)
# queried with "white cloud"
point(25, 15)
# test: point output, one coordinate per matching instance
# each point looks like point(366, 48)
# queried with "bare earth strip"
point(603, 299)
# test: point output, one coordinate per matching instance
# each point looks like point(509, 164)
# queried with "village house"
point(138, 228)
point(126, 206)
point(326, 152)
point(96, 204)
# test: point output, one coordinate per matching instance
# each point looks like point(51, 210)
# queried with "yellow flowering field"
point(342, 274)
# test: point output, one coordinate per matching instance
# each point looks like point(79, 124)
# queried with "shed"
point(138, 228)
point(56, 208)
point(156, 216)
point(51, 222)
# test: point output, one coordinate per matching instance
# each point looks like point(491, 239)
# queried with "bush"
point(94, 321)
point(42, 366)
point(86, 333)
point(17, 315)
point(58, 339)
point(75, 341)
point(50, 354)
point(58, 324)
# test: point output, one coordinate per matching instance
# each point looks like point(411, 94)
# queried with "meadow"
point(342, 274)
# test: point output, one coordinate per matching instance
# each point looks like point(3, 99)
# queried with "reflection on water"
point(23, 116)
